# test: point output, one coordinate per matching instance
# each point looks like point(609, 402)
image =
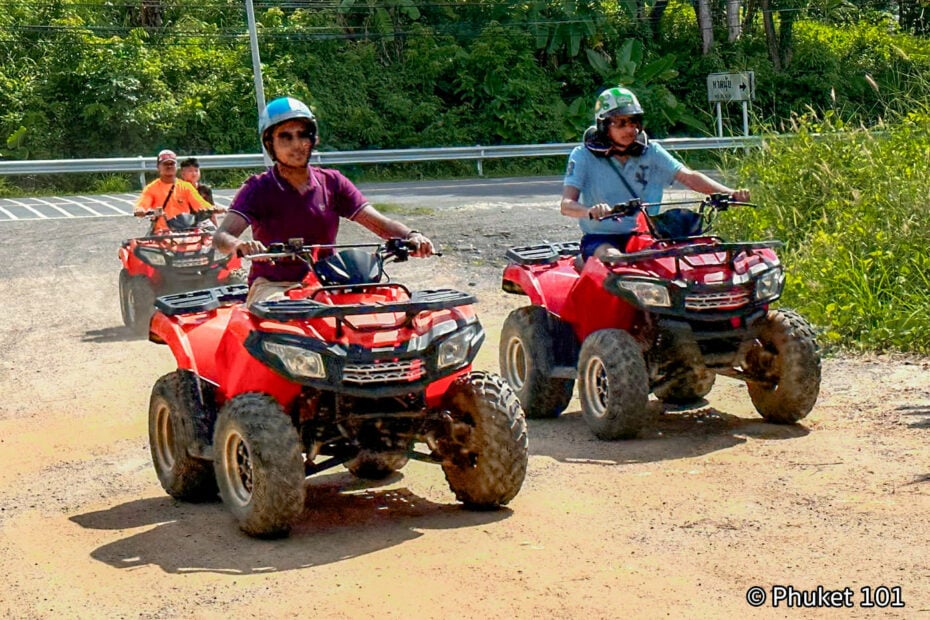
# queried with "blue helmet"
point(280, 110)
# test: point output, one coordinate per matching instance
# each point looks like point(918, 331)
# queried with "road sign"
point(731, 86)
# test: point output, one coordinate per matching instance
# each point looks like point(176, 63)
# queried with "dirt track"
point(679, 523)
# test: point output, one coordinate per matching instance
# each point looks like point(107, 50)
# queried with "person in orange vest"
point(169, 195)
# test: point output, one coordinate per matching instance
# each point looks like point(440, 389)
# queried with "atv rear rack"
point(303, 309)
point(203, 300)
point(543, 253)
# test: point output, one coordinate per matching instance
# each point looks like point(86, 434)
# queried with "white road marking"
point(128, 201)
point(38, 214)
point(54, 206)
point(8, 214)
point(106, 204)
point(83, 206)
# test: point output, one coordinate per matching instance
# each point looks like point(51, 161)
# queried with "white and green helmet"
point(616, 101)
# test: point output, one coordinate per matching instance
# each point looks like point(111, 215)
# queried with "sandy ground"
point(682, 522)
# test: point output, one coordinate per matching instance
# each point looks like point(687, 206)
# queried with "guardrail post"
point(480, 162)
point(142, 172)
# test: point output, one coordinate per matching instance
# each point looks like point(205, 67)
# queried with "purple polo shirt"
point(276, 211)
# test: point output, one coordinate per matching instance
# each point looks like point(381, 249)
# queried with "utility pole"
point(256, 65)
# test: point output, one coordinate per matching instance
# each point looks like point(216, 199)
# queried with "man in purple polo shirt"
point(293, 199)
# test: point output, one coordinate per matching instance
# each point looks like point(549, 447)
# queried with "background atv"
point(181, 260)
point(349, 369)
point(679, 307)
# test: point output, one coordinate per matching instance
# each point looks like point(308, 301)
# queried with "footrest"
point(202, 300)
point(543, 253)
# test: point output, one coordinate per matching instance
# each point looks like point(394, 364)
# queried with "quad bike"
point(180, 260)
point(349, 369)
point(677, 308)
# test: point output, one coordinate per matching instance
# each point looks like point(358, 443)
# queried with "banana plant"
point(626, 67)
point(560, 28)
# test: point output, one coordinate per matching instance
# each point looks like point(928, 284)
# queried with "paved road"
point(434, 193)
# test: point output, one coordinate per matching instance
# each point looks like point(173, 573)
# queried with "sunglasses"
point(300, 135)
point(621, 123)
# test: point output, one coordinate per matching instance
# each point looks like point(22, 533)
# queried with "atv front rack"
point(173, 236)
point(543, 253)
point(203, 300)
point(682, 251)
point(303, 309)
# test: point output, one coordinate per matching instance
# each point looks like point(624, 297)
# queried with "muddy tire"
point(124, 297)
point(688, 387)
point(258, 465)
point(613, 385)
point(786, 359)
point(487, 469)
point(139, 305)
point(526, 359)
point(237, 276)
point(171, 432)
point(372, 465)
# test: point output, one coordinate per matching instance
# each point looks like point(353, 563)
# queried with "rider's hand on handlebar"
point(740, 195)
point(422, 245)
point(247, 248)
point(599, 211)
point(219, 209)
point(149, 213)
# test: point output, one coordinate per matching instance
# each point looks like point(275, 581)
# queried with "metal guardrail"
point(142, 164)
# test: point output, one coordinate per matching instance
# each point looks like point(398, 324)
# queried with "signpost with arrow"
point(723, 87)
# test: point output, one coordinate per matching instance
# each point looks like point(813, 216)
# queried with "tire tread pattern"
point(798, 369)
point(498, 440)
point(627, 380)
point(541, 395)
point(278, 491)
point(189, 478)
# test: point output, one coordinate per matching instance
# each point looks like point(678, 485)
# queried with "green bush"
point(850, 205)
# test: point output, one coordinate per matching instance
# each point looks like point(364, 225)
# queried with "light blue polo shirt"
point(597, 180)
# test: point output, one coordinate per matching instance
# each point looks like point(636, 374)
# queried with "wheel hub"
point(596, 387)
point(238, 468)
point(516, 363)
point(164, 445)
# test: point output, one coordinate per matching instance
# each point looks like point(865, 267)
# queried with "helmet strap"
point(633, 149)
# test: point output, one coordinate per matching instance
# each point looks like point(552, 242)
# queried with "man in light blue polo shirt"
point(617, 163)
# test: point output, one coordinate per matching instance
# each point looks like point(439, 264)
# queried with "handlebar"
point(717, 201)
point(156, 213)
point(295, 249)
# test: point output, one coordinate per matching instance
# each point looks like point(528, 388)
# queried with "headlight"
point(769, 285)
point(297, 361)
point(648, 293)
point(153, 257)
point(454, 351)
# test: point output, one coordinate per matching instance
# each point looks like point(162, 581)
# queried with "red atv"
point(350, 369)
point(177, 261)
point(677, 308)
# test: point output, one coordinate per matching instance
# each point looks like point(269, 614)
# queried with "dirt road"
point(681, 523)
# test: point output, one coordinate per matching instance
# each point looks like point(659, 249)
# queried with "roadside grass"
point(388, 208)
point(851, 205)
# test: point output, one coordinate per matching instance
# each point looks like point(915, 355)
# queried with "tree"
point(779, 39)
point(733, 26)
point(705, 24)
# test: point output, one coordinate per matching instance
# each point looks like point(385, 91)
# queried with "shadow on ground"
point(111, 334)
point(671, 434)
point(922, 412)
point(344, 518)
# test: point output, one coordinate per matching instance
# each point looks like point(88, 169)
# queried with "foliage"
point(850, 204)
point(649, 81)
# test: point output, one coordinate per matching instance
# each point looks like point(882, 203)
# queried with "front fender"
point(163, 330)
